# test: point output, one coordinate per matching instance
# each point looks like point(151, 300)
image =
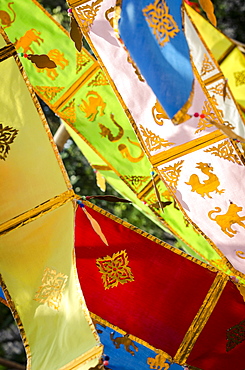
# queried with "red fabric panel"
point(209, 352)
point(167, 291)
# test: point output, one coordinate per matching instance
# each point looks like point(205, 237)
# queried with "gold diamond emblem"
point(51, 290)
point(115, 269)
point(7, 136)
point(162, 23)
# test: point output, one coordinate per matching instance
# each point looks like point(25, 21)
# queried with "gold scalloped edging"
point(11, 305)
point(186, 148)
point(7, 52)
point(201, 318)
point(93, 353)
point(73, 89)
point(36, 212)
point(132, 337)
point(146, 235)
point(99, 167)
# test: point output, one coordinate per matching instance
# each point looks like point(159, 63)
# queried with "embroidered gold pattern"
point(207, 186)
point(48, 92)
point(158, 362)
point(51, 290)
point(231, 217)
point(136, 181)
point(69, 112)
point(235, 335)
point(125, 341)
point(209, 115)
point(160, 21)
point(219, 90)
point(106, 132)
point(87, 14)
point(115, 269)
point(99, 80)
point(7, 136)
point(226, 151)
point(207, 65)
point(82, 60)
point(152, 141)
point(172, 173)
point(239, 78)
point(94, 105)
point(159, 114)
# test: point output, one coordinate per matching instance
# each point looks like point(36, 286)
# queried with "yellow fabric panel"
point(233, 68)
point(26, 179)
point(37, 266)
point(216, 41)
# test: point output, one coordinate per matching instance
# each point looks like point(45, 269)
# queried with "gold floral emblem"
point(48, 92)
point(87, 14)
point(207, 65)
point(115, 269)
point(160, 21)
point(51, 290)
point(240, 78)
point(152, 141)
point(219, 90)
point(69, 112)
point(172, 173)
point(209, 115)
point(82, 59)
point(136, 181)
point(99, 80)
point(226, 151)
point(7, 136)
point(235, 335)
point(158, 362)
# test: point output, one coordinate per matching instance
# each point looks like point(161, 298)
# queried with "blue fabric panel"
point(166, 69)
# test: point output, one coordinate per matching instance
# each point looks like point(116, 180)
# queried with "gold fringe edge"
point(201, 318)
point(146, 235)
point(99, 320)
point(36, 212)
point(18, 321)
point(92, 354)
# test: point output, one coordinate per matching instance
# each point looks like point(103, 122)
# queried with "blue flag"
point(152, 32)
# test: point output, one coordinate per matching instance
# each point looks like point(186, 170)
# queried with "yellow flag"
point(37, 268)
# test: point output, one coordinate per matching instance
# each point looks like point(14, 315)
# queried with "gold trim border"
point(15, 314)
point(146, 235)
point(93, 353)
point(189, 147)
point(201, 318)
point(36, 212)
point(132, 337)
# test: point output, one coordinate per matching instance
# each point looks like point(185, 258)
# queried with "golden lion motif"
point(228, 219)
